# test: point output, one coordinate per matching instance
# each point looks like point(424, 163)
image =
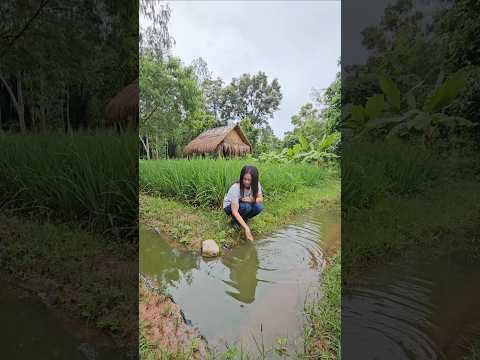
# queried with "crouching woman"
point(244, 199)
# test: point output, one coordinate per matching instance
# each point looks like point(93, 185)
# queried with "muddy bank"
point(163, 326)
point(83, 278)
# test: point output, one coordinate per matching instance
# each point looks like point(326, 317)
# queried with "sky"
point(297, 42)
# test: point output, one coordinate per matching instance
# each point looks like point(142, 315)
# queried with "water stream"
point(254, 290)
point(416, 307)
point(30, 330)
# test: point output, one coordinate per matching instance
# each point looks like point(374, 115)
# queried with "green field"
point(399, 196)
point(204, 182)
point(87, 177)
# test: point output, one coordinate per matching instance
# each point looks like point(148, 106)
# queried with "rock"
point(210, 248)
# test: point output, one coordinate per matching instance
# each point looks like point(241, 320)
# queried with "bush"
point(204, 182)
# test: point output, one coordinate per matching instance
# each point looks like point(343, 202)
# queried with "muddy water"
point(254, 290)
point(30, 330)
point(415, 308)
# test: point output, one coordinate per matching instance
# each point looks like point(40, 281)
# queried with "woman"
point(244, 199)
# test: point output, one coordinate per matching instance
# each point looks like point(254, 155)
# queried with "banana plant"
point(383, 111)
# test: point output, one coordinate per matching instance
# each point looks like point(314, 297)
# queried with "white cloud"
point(297, 42)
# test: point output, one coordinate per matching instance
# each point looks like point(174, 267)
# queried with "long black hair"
point(252, 170)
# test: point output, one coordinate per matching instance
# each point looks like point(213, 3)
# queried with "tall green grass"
point(374, 171)
point(204, 182)
point(323, 330)
point(83, 177)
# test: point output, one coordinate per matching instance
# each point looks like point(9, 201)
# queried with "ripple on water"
point(410, 309)
point(250, 286)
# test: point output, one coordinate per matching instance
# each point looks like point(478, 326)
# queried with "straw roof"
point(217, 141)
point(123, 105)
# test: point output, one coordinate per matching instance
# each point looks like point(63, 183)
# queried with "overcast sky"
point(297, 42)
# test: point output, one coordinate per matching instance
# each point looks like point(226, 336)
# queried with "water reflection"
point(243, 264)
point(231, 297)
point(30, 330)
point(167, 265)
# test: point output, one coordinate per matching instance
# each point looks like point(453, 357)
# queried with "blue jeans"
point(246, 211)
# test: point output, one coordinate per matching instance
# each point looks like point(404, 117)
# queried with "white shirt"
point(234, 195)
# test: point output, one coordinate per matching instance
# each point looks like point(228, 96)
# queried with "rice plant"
point(204, 182)
point(86, 177)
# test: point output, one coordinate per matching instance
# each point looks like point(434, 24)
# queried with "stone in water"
point(210, 248)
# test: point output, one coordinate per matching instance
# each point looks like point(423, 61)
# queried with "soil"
point(165, 327)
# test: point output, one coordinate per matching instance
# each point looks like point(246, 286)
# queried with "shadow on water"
point(252, 287)
point(416, 308)
point(32, 331)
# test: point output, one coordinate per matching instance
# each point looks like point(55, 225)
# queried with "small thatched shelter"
point(123, 108)
point(223, 141)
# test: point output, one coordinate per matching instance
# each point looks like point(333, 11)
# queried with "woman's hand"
point(248, 234)
point(248, 199)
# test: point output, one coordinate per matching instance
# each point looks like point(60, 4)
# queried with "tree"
point(251, 96)
point(155, 38)
point(212, 89)
point(331, 100)
point(62, 67)
point(172, 109)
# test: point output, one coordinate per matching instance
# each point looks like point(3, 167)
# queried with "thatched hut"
point(123, 108)
point(223, 141)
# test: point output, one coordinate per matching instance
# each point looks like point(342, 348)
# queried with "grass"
point(83, 275)
point(190, 225)
point(391, 211)
point(473, 351)
point(87, 178)
point(150, 351)
point(374, 171)
point(204, 182)
point(323, 331)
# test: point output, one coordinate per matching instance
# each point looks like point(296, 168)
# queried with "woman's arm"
point(238, 217)
point(259, 199)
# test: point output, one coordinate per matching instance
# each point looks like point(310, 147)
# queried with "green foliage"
point(386, 119)
point(172, 107)
point(251, 96)
point(205, 182)
point(446, 93)
point(46, 253)
point(324, 316)
point(89, 177)
point(66, 59)
point(378, 170)
point(392, 93)
point(417, 56)
point(315, 138)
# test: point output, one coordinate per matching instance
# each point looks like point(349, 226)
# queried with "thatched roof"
point(123, 105)
point(216, 141)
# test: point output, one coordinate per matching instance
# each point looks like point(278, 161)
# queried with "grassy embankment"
point(67, 204)
point(184, 198)
point(323, 330)
point(397, 197)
